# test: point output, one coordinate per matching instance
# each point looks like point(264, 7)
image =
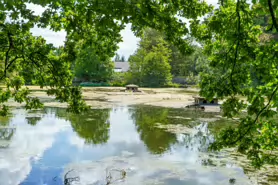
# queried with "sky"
point(127, 47)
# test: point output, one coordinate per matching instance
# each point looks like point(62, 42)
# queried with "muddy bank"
point(106, 97)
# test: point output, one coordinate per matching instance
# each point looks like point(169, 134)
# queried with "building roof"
point(122, 65)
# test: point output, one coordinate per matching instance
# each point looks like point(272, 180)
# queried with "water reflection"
point(27, 145)
point(45, 145)
point(6, 132)
point(33, 120)
point(199, 139)
point(92, 126)
point(157, 140)
point(4, 121)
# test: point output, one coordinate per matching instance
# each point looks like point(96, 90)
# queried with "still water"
point(52, 147)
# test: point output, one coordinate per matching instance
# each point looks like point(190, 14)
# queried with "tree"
point(89, 67)
point(123, 59)
point(184, 65)
point(238, 58)
point(117, 58)
point(150, 65)
point(157, 69)
point(96, 22)
point(180, 65)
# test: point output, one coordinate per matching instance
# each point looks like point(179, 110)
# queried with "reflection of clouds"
point(122, 137)
point(152, 170)
point(180, 165)
point(122, 129)
point(122, 133)
point(77, 141)
point(190, 145)
point(28, 143)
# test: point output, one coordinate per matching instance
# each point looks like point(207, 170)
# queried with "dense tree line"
point(156, 62)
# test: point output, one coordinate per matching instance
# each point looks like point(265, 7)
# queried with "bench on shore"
point(132, 87)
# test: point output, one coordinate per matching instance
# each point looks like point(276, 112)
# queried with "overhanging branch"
point(238, 41)
point(257, 117)
point(274, 22)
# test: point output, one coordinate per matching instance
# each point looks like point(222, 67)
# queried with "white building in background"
point(121, 67)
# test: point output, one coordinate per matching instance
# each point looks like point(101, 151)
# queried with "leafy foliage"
point(150, 66)
point(119, 79)
point(243, 64)
point(97, 23)
point(146, 71)
point(89, 67)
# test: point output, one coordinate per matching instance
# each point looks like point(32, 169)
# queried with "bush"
point(118, 80)
point(192, 80)
point(175, 85)
point(118, 84)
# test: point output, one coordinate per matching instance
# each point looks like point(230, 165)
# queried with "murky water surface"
point(124, 145)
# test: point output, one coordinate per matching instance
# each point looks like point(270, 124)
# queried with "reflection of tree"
point(33, 120)
point(198, 140)
point(5, 120)
point(6, 133)
point(93, 126)
point(59, 112)
point(157, 140)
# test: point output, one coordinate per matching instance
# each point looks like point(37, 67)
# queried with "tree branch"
point(257, 117)
point(7, 66)
point(238, 42)
point(274, 22)
point(33, 61)
point(53, 67)
point(11, 46)
point(6, 61)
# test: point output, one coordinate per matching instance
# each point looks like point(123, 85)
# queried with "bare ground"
point(103, 97)
point(107, 97)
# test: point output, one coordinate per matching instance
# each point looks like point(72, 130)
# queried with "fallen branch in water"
point(69, 180)
point(109, 178)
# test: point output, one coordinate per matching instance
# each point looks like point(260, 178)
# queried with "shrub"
point(118, 80)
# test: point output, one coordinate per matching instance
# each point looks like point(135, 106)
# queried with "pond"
point(123, 145)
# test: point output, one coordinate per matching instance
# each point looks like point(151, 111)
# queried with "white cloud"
point(129, 44)
point(56, 38)
point(212, 2)
point(36, 8)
